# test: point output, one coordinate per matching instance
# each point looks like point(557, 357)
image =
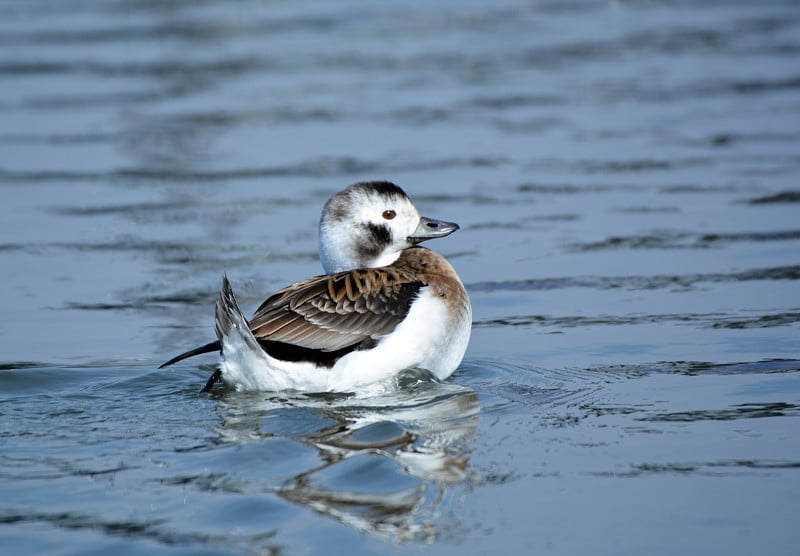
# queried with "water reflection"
point(385, 465)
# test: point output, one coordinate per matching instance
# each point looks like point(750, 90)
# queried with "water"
point(626, 177)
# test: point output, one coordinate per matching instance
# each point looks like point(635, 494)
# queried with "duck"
point(384, 305)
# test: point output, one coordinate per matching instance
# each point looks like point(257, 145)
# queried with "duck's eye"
point(389, 214)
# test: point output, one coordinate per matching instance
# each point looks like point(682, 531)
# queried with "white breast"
point(431, 337)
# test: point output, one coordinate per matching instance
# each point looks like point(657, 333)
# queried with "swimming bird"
point(384, 305)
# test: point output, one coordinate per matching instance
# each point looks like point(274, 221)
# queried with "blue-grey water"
point(627, 178)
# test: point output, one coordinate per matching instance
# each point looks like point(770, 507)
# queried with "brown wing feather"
point(330, 313)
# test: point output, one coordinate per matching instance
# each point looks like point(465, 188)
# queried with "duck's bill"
point(429, 229)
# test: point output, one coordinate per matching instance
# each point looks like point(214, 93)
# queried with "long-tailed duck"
point(384, 305)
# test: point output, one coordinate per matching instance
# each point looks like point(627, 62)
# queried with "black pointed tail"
point(211, 381)
point(209, 347)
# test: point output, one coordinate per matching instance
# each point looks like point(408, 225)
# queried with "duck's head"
point(369, 224)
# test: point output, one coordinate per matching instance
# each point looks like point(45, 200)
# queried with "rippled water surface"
point(627, 179)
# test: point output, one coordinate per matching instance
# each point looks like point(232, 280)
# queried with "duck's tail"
point(235, 341)
point(242, 355)
point(209, 347)
point(230, 325)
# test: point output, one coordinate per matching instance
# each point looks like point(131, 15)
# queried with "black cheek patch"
point(379, 237)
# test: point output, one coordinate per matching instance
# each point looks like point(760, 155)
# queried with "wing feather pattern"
point(336, 312)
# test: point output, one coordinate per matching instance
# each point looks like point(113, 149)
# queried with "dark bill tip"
point(430, 228)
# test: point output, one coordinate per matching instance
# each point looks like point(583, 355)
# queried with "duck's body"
point(354, 328)
point(385, 306)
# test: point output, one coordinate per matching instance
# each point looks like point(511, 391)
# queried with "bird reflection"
point(387, 465)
